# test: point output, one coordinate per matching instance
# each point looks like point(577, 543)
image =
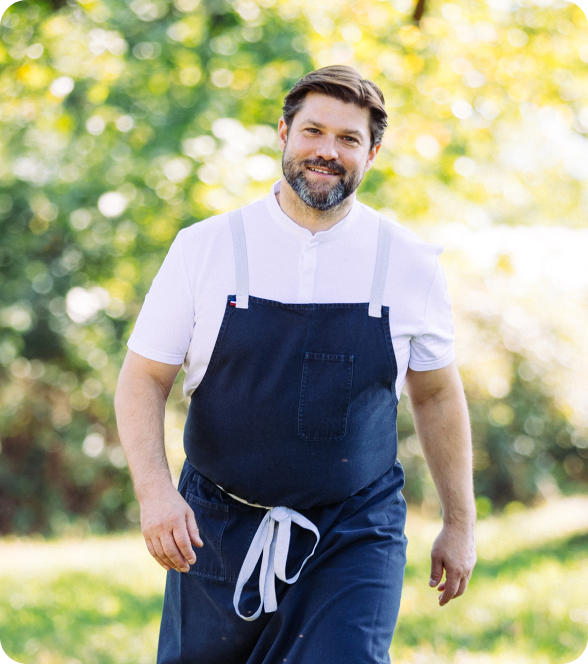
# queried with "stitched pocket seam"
point(342, 427)
point(223, 509)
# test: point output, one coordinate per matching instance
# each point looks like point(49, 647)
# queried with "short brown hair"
point(347, 85)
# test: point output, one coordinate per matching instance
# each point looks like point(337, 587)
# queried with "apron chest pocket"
point(325, 393)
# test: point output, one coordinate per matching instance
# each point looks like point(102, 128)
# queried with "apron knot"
point(280, 513)
point(271, 542)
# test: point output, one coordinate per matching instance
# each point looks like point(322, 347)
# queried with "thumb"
point(436, 570)
point(193, 529)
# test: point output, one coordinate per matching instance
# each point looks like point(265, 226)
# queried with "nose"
point(326, 148)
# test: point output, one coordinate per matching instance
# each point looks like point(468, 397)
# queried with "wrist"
point(465, 520)
point(153, 487)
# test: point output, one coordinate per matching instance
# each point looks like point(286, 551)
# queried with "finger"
point(193, 529)
point(173, 553)
point(436, 570)
point(462, 587)
point(448, 594)
point(451, 585)
point(157, 545)
point(165, 566)
point(182, 540)
point(154, 554)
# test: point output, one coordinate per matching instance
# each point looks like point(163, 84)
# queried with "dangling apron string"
point(272, 542)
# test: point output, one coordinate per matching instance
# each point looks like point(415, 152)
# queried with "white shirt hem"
point(155, 355)
point(431, 366)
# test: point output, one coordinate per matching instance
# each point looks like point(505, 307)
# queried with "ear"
point(282, 133)
point(372, 156)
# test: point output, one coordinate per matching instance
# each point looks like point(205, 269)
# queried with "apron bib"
point(291, 463)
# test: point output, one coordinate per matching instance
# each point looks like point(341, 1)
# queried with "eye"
point(350, 139)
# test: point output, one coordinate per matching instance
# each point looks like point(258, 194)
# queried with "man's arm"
point(167, 521)
point(442, 424)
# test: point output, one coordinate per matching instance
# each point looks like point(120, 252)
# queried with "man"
point(298, 319)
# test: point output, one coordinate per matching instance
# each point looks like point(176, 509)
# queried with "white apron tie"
point(272, 541)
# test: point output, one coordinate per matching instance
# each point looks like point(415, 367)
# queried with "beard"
point(317, 195)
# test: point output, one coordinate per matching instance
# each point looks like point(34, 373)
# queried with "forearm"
point(442, 425)
point(140, 414)
point(441, 419)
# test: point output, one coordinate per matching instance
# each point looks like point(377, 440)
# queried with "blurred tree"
point(121, 123)
point(94, 184)
point(419, 10)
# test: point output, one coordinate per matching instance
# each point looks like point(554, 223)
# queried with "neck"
point(308, 217)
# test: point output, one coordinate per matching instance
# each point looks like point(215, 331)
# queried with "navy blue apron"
point(292, 474)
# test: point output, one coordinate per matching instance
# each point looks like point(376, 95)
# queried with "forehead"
point(333, 113)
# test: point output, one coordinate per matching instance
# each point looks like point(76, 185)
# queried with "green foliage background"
point(123, 122)
point(99, 600)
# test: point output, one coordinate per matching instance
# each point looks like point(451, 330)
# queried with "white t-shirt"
point(183, 310)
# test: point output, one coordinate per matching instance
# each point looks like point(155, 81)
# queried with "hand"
point(455, 550)
point(169, 528)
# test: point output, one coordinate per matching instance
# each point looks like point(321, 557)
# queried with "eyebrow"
point(343, 131)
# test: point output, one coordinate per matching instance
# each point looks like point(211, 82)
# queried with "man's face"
point(326, 151)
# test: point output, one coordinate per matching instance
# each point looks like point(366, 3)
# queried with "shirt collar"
point(290, 226)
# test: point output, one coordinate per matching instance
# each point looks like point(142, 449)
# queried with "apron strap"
point(271, 542)
point(242, 270)
point(381, 269)
point(241, 267)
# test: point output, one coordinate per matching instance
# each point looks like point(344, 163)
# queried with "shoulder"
point(204, 230)
point(216, 227)
point(405, 243)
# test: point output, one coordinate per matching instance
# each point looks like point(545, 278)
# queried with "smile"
point(320, 170)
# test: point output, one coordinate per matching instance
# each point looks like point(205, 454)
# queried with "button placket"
point(308, 262)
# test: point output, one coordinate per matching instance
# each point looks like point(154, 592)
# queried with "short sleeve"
point(163, 330)
point(434, 347)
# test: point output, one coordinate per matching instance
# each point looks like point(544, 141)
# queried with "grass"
point(98, 600)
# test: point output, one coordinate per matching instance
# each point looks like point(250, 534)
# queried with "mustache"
point(323, 163)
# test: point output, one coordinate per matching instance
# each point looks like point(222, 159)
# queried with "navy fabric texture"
point(298, 404)
point(297, 408)
point(343, 608)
